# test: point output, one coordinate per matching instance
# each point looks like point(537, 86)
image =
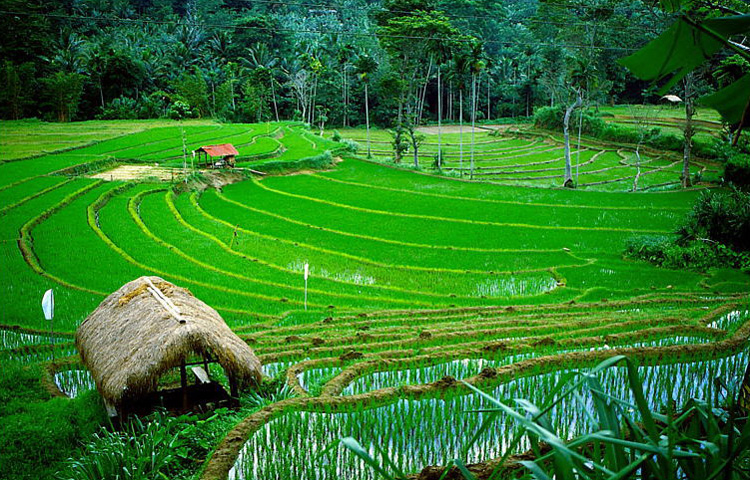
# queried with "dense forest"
point(328, 62)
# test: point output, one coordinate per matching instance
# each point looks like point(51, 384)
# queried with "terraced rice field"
point(523, 156)
point(416, 281)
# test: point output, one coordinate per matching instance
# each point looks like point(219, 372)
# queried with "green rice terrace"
point(417, 278)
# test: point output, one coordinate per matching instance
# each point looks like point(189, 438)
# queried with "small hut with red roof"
point(212, 156)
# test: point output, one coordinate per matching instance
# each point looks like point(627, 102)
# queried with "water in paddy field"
point(731, 320)
point(273, 369)
point(515, 287)
point(74, 382)
point(468, 367)
point(417, 433)
point(355, 277)
point(317, 376)
point(14, 339)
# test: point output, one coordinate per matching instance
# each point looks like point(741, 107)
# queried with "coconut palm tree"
point(476, 65)
point(365, 66)
point(458, 70)
point(260, 56)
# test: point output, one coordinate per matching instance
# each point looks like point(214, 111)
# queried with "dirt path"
point(139, 172)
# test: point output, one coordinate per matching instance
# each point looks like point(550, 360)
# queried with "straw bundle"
point(132, 339)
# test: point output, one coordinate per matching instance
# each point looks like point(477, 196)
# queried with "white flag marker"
point(48, 307)
point(48, 304)
point(307, 274)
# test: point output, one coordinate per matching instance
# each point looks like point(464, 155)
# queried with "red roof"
point(219, 150)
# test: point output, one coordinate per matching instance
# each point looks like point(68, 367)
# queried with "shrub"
point(716, 233)
point(719, 217)
point(551, 118)
point(698, 255)
point(737, 171)
point(350, 145)
point(123, 108)
point(179, 110)
point(148, 450)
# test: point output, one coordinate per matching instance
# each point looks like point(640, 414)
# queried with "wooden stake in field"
point(48, 307)
point(234, 236)
point(307, 273)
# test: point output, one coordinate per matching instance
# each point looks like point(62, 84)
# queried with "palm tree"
point(441, 51)
point(260, 56)
point(458, 70)
point(476, 66)
point(365, 66)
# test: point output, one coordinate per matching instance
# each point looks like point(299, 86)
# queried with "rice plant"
point(415, 433)
point(74, 381)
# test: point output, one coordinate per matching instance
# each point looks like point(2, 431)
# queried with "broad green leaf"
point(681, 48)
point(670, 5)
point(732, 101)
point(355, 447)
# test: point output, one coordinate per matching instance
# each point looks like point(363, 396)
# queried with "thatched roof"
point(134, 337)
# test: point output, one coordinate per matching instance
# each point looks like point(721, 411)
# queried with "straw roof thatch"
point(133, 338)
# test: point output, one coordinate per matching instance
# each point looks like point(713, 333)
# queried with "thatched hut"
point(149, 327)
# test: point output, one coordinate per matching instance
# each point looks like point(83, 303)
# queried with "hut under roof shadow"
point(150, 327)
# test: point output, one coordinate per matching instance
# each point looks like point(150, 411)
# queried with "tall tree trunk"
point(313, 100)
point(213, 98)
point(367, 119)
point(689, 131)
point(473, 119)
point(440, 114)
point(424, 92)
point(343, 94)
point(489, 110)
point(415, 146)
point(461, 130)
point(273, 96)
point(568, 182)
point(528, 100)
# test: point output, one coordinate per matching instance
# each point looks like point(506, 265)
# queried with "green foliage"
point(192, 89)
point(698, 255)
point(144, 449)
point(120, 108)
point(715, 233)
point(686, 45)
point(19, 387)
point(737, 171)
point(63, 94)
point(179, 110)
point(40, 434)
point(592, 124)
point(719, 217)
point(551, 118)
point(17, 94)
point(630, 440)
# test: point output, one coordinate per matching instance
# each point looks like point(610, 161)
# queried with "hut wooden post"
point(233, 388)
point(183, 384)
